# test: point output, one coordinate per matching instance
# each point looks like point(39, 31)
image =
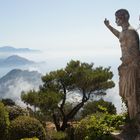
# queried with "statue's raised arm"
point(113, 30)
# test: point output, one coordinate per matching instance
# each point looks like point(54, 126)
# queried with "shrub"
point(97, 106)
point(26, 127)
point(54, 135)
point(15, 111)
point(98, 126)
point(4, 122)
point(115, 120)
point(8, 102)
point(92, 127)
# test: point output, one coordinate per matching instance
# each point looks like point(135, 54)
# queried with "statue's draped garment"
point(129, 70)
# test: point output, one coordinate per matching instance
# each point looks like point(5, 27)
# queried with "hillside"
point(15, 60)
point(16, 81)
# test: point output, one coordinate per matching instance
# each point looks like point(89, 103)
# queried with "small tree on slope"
point(75, 77)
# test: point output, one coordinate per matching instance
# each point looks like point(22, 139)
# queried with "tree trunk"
point(69, 116)
point(56, 122)
point(64, 125)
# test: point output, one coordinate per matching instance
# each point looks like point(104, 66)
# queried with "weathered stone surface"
point(129, 73)
point(129, 132)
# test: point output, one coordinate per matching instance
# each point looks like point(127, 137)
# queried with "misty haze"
point(46, 61)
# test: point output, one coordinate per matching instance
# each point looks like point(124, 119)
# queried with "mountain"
point(15, 60)
point(16, 81)
point(13, 49)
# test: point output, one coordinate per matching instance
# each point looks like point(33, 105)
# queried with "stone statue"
point(129, 70)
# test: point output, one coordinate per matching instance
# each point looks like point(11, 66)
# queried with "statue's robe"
point(129, 70)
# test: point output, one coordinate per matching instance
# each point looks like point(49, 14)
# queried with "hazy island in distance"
point(13, 49)
point(15, 60)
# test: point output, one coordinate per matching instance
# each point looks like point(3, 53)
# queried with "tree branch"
point(64, 98)
point(75, 110)
point(78, 107)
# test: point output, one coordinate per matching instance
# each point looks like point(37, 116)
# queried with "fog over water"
point(53, 60)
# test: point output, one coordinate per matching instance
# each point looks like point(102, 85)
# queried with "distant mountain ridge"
point(29, 76)
point(15, 60)
point(13, 49)
point(16, 81)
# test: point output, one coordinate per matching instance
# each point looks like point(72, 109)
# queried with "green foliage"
point(79, 76)
point(84, 76)
point(115, 120)
point(76, 76)
point(46, 101)
point(98, 126)
point(31, 98)
point(98, 106)
point(4, 122)
point(58, 135)
point(15, 111)
point(92, 127)
point(26, 127)
point(8, 102)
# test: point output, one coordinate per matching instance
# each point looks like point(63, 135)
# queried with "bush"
point(4, 122)
point(54, 135)
point(115, 120)
point(8, 102)
point(26, 127)
point(98, 126)
point(15, 111)
point(92, 127)
point(97, 106)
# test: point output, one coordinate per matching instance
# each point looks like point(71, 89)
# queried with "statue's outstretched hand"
point(106, 22)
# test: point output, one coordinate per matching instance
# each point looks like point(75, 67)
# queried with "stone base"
point(129, 132)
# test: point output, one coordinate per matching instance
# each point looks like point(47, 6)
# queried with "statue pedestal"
point(129, 132)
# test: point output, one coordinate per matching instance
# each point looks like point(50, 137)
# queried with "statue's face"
point(119, 21)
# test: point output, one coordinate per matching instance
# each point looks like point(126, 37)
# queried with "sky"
point(61, 24)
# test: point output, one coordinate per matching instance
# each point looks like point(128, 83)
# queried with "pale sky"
point(62, 24)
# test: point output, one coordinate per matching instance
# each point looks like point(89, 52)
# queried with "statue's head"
point(122, 15)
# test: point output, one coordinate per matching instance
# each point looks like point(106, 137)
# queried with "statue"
point(129, 72)
point(129, 82)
